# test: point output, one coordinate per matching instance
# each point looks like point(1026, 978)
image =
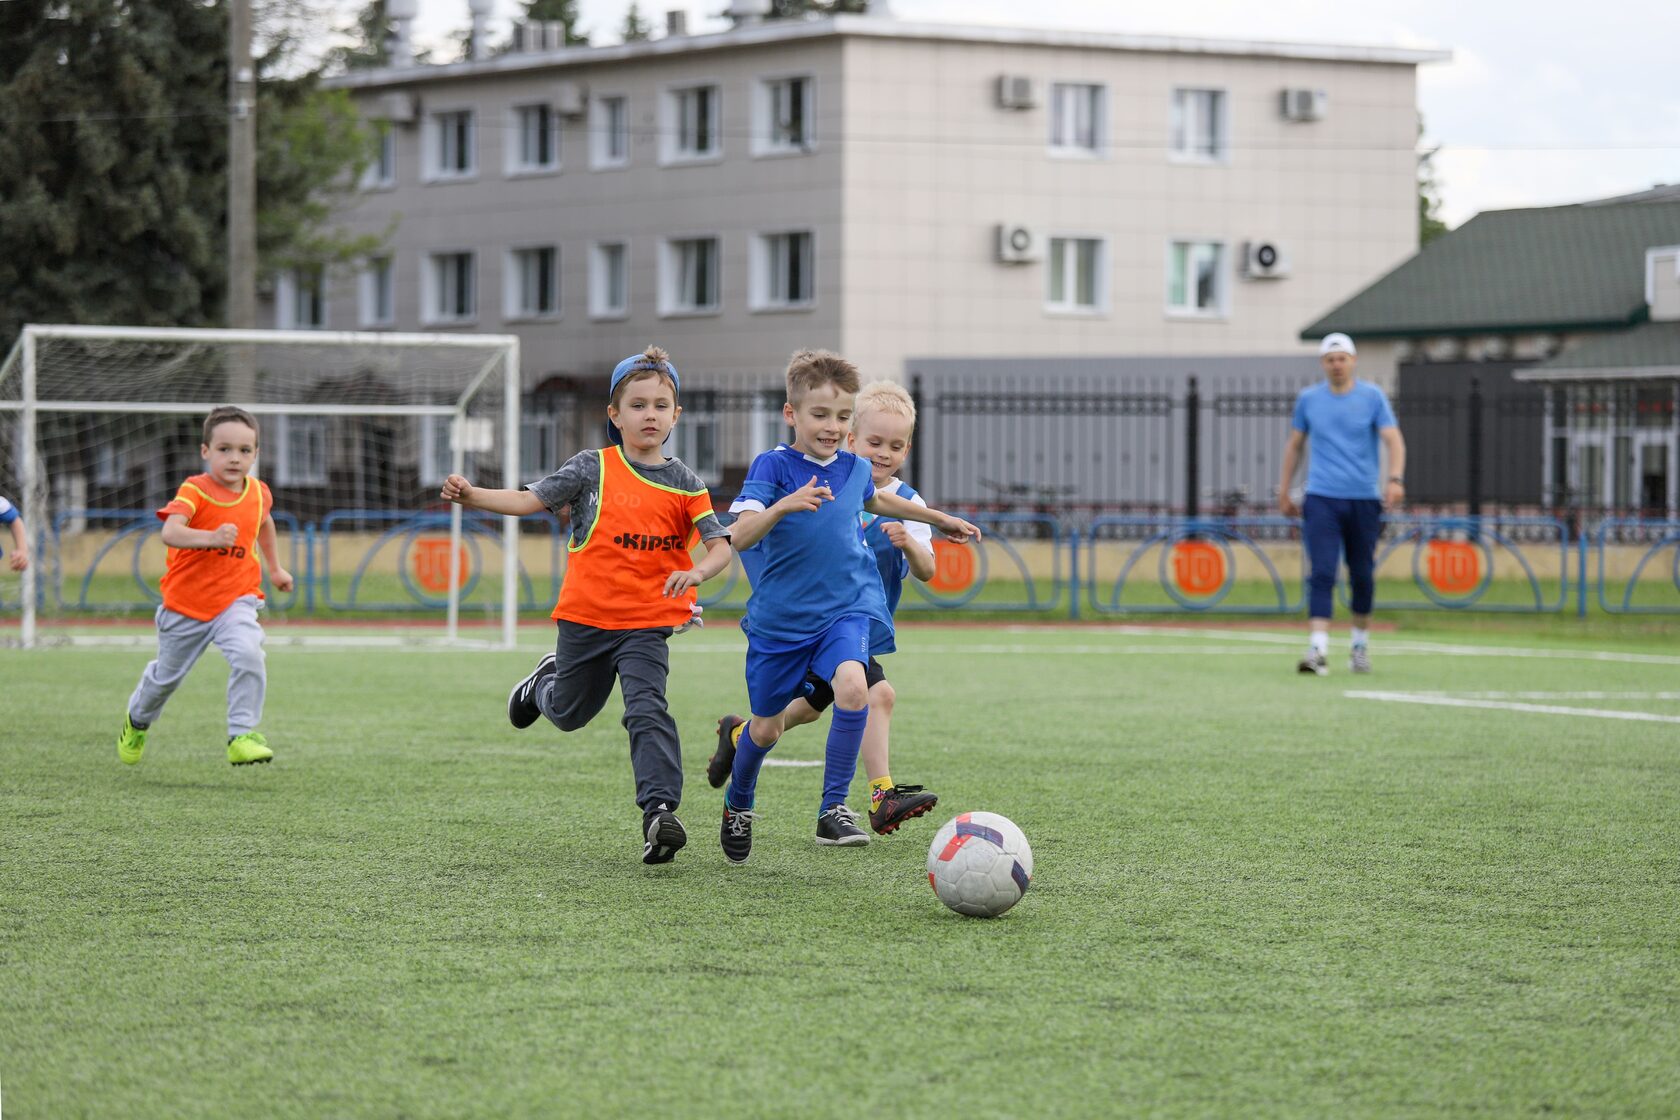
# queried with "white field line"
point(1554, 695)
point(1439, 701)
point(792, 762)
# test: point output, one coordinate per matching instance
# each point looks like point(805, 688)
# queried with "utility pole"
point(242, 195)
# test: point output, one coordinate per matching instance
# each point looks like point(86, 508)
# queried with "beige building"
point(889, 189)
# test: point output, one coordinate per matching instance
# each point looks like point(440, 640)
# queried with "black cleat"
point(736, 833)
point(522, 701)
point(1314, 663)
point(838, 827)
point(899, 804)
point(665, 835)
point(723, 759)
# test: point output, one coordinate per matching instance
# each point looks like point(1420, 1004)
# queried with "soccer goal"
point(99, 425)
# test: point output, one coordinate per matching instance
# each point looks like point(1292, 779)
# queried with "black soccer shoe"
point(838, 827)
point(665, 835)
point(522, 701)
point(899, 804)
point(1313, 663)
point(736, 833)
point(723, 759)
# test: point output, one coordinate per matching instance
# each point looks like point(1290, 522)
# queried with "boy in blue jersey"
point(816, 596)
point(882, 425)
point(10, 518)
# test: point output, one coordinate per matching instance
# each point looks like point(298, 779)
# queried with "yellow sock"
point(878, 787)
point(735, 735)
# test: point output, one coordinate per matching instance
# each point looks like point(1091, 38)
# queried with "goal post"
point(98, 425)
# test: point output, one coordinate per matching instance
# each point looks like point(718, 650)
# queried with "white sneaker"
point(1359, 661)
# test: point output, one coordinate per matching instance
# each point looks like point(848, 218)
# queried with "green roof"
point(1653, 348)
point(1577, 267)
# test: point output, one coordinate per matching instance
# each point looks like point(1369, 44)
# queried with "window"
point(609, 132)
point(692, 128)
point(1198, 124)
point(452, 291)
point(1074, 276)
point(382, 169)
point(609, 283)
point(454, 145)
point(295, 449)
point(695, 441)
point(539, 446)
point(533, 283)
point(300, 300)
point(378, 303)
point(689, 276)
point(435, 452)
point(1195, 278)
point(1076, 118)
point(783, 110)
point(536, 142)
point(782, 271)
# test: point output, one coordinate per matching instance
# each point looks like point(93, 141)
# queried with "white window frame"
point(433, 147)
point(429, 288)
point(670, 113)
point(1070, 276)
point(369, 313)
point(540, 453)
point(1221, 275)
point(764, 268)
point(436, 454)
point(289, 288)
point(381, 173)
point(696, 441)
point(601, 132)
point(516, 165)
point(671, 304)
point(765, 141)
point(280, 459)
point(599, 305)
point(1186, 152)
point(513, 285)
point(1071, 92)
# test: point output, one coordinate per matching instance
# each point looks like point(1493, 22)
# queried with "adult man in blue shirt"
point(1345, 419)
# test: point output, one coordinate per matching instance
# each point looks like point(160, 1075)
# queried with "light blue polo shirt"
point(1343, 454)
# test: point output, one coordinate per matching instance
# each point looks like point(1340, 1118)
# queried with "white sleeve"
point(920, 531)
point(746, 505)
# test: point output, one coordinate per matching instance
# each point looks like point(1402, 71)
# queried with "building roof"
point(1647, 350)
point(880, 27)
point(1552, 268)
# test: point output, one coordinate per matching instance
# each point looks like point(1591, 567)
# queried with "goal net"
point(100, 425)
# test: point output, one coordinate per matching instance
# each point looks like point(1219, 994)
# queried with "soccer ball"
point(980, 864)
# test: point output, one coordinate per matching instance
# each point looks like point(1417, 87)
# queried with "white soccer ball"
point(980, 864)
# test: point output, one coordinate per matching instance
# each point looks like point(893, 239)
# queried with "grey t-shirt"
point(578, 484)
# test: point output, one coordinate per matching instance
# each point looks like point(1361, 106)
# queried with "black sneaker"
point(736, 834)
point(665, 835)
point(899, 804)
point(1313, 663)
point(522, 701)
point(838, 827)
point(723, 759)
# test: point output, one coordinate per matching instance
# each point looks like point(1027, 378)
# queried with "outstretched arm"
point(513, 503)
point(891, 505)
point(916, 554)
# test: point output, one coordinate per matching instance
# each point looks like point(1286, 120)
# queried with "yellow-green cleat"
point(131, 742)
point(248, 748)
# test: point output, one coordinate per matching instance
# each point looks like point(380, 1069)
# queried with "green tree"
point(369, 46)
point(558, 11)
point(635, 29)
point(1430, 224)
point(800, 9)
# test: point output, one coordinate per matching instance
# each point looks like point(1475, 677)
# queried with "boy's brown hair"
point(226, 413)
point(655, 363)
point(812, 369)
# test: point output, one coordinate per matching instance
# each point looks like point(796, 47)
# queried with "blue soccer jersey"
point(8, 512)
point(813, 567)
point(890, 561)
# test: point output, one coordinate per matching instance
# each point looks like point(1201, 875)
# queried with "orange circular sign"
point(953, 567)
point(431, 563)
point(1455, 567)
point(1198, 567)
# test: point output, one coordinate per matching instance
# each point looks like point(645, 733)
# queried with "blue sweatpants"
point(1332, 528)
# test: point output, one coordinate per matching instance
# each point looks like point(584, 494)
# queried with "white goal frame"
point(501, 352)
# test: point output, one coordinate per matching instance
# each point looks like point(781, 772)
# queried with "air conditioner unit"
point(571, 99)
point(398, 108)
point(1015, 91)
point(1264, 260)
point(1016, 244)
point(1304, 104)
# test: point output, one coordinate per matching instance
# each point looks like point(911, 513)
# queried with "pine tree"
point(635, 29)
point(1430, 225)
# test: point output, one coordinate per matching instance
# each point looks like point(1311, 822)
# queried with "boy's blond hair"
point(812, 369)
point(887, 397)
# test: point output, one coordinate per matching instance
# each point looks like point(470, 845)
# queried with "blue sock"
point(743, 777)
point(845, 739)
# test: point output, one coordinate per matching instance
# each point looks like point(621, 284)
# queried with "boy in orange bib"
point(212, 588)
point(629, 583)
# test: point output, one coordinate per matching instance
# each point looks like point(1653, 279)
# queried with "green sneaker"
point(131, 743)
point(248, 748)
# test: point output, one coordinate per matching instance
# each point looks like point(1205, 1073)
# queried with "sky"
point(1543, 102)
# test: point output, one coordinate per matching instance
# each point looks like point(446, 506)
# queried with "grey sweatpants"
point(181, 641)
point(587, 660)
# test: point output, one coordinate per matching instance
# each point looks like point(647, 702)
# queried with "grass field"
point(1256, 894)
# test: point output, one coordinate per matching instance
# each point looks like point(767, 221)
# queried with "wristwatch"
point(1397, 478)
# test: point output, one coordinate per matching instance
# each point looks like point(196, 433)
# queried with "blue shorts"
point(776, 669)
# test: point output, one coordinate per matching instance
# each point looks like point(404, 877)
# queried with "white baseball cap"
point(1336, 342)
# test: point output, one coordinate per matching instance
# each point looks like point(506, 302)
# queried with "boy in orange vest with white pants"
point(629, 583)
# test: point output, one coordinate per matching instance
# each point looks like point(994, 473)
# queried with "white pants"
point(181, 642)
